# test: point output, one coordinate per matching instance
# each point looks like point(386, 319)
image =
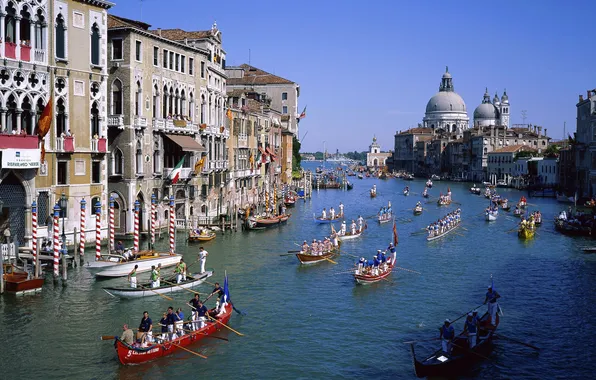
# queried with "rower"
point(154, 277)
point(376, 263)
point(158, 269)
point(132, 277)
point(470, 328)
point(446, 336)
point(381, 211)
point(201, 312)
point(145, 328)
point(170, 320)
point(353, 227)
point(361, 265)
point(119, 248)
point(163, 322)
point(335, 240)
point(331, 213)
point(320, 248)
point(341, 209)
point(304, 247)
point(203, 258)
point(195, 304)
point(179, 322)
point(360, 222)
point(342, 232)
point(183, 269)
point(178, 271)
point(324, 214)
point(127, 335)
point(217, 290)
point(491, 298)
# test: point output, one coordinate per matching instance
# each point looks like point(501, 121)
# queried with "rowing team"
point(379, 264)
point(446, 223)
point(343, 228)
point(172, 323)
point(332, 214)
point(385, 210)
point(317, 248)
point(492, 209)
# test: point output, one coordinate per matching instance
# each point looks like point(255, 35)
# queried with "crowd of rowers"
point(445, 198)
point(318, 248)
point(379, 264)
point(332, 213)
point(528, 223)
point(386, 210)
point(446, 223)
point(173, 325)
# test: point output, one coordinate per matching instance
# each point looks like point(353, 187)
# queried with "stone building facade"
point(375, 158)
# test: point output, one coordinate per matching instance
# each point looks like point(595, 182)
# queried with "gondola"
point(491, 215)
point(349, 235)
point(349, 186)
point(308, 259)
point(462, 358)
point(115, 265)
point(326, 220)
point(406, 192)
point(290, 201)
point(373, 193)
point(418, 210)
point(169, 286)
point(475, 190)
point(136, 355)
point(262, 222)
point(193, 236)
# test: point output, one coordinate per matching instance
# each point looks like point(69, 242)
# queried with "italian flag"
point(175, 174)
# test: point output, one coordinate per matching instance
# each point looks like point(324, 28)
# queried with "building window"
point(62, 173)
point(60, 117)
point(138, 55)
point(284, 96)
point(171, 63)
point(60, 37)
point(95, 44)
point(117, 48)
point(155, 56)
point(202, 69)
point(96, 172)
point(191, 66)
point(139, 159)
point(165, 59)
point(117, 97)
point(94, 120)
point(182, 63)
point(155, 101)
point(117, 162)
point(156, 158)
point(138, 99)
point(177, 67)
point(284, 110)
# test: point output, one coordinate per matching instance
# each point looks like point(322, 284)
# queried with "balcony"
point(175, 126)
point(116, 121)
point(99, 145)
point(65, 144)
point(11, 50)
point(140, 122)
point(213, 130)
point(184, 173)
point(25, 53)
point(18, 141)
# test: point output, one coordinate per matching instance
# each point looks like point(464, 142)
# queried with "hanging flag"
point(199, 165)
point(229, 114)
point(303, 114)
point(395, 240)
point(43, 127)
point(251, 160)
point(175, 174)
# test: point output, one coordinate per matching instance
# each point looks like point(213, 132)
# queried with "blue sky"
point(370, 67)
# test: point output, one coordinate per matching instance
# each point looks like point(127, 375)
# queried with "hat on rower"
point(490, 286)
point(475, 312)
point(469, 314)
point(447, 320)
point(378, 250)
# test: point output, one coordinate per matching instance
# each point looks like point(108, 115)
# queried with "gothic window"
point(139, 159)
point(10, 28)
point(453, 128)
point(155, 100)
point(156, 158)
point(39, 30)
point(11, 115)
point(183, 103)
point(176, 101)
point(27, 116)
point(95, 44)
point(171, 103)
point(138, 99)
point(202, 109)
point(117, 162)
point(38, 110)
point(94, 120)
point(60, 37)
point(25, 27)
point(117, 97)
point(191, 104)
point(60, 117)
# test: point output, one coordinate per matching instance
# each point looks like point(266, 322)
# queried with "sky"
point(369, 67)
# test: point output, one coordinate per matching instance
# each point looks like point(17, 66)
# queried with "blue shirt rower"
point(446, 336)
point(471, 328)
point(491, 298)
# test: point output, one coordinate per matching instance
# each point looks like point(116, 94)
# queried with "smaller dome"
point(496, 99)
point(486, 111)
point(505, 98)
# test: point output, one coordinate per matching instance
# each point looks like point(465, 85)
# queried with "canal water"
point(312, 323)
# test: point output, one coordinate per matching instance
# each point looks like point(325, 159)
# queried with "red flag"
point(394, 234)
point(43, 127)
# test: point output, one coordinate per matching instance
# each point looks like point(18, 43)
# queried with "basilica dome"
point(446, 101)
point(486, 111)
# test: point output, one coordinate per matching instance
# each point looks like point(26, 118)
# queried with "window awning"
point(187, 143)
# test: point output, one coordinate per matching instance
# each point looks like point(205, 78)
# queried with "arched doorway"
point(375, 162)
point(12, 209)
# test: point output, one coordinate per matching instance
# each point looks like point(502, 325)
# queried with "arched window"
point(155, 101)
point(117, 161)
point(165, 112)
point(171, 101)
point(95, 37)
point(10, 24)
point(94, 120)
point(38, 110)
point(176, 103)
point(11, 114)
point(138, 99)
point(60, 37)
point(183, 103)
point(40, 30)
point(60, 117)
point(27, 116)
point(191, 104)
point(25, 27)
point(156, 158)
point(139, 158)
point(117, 97)
point(210, 115)
point(453, 128)
point(203, 105)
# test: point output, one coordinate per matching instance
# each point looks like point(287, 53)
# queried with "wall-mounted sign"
point(21, 158)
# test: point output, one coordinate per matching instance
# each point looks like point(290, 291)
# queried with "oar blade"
point(107, 337)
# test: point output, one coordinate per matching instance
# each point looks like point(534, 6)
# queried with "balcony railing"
point(213, 130)
point(18, 141)
point(10, 50)
point(184, 173)
point(99, 145)
point(40, 55)
point(140, 122)
point(65, 144)
point(176, 126)
point(116, 121)
point(25, 53)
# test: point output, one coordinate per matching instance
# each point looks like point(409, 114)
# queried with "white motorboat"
point(114, 265)
point(169, 286)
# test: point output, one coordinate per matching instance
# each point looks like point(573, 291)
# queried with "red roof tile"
point(180, 35)
point(254, 76)
point(121, 22)
point(513, 149)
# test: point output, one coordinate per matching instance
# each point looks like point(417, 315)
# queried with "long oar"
point(519, 342)
point(182, 287)
point(465, 314)
point(159, 294)
point(187, 350)
point(107, 337)
point(223, 324)
point(206, 335)
point(408, 270)
point(419, 341)
point(290, 253)
point(331, 261)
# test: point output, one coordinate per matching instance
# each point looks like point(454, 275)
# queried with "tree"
point(296, 158)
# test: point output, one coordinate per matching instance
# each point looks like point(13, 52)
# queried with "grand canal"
point(309, 322)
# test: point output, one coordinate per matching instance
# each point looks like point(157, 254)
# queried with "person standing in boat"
point(447, 334)
point(491, 298)
point(217, 290)
point(353, 227)
point(183, 269)
point(158, 269)
point(154, 277)
point(470, 329)
point(119, 248)
point(163, 322)
point(179, 316)
point(324, 214)
point(132, 277)
point(178, 272)
point(342, 231)
point(360, 222)
point(170, 321)
point(361, 264)
point(341, 210)
point(331, 213)
point(195, 305)
point(203, 258)
point(145, 328)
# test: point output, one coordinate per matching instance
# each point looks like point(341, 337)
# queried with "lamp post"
point(63, 205)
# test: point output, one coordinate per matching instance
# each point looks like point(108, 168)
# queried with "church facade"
point(375, 158)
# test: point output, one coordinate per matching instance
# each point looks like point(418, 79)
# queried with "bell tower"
point(504, 108)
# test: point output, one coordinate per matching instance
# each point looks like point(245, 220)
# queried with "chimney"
point(159, 32)
point(539, 131)
point(581, 98)
point(545, 132)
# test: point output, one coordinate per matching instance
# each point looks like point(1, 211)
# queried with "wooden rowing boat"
point(145, 289)
point(444, 203)
point(417, 210)
point(373, 194)
point(137, 355)
point(385, 218)
point(326, 220)
point(349, 235)
point(461, 358)
point(262, 222)
point(19, 281)
point(406, 192)
point(525, 233)
point(308, 259)
point(114, 265)
point(431, 238)
point(193, 236)
point(367, 279)
point(491, 215)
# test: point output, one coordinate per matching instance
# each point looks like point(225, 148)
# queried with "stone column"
point(2, 35)
point(18, 112)
point(3, 119)
point(32, 38)
point(17, 39)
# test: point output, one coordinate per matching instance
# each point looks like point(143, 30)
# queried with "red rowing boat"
point(366, 279)
point(137, 355)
